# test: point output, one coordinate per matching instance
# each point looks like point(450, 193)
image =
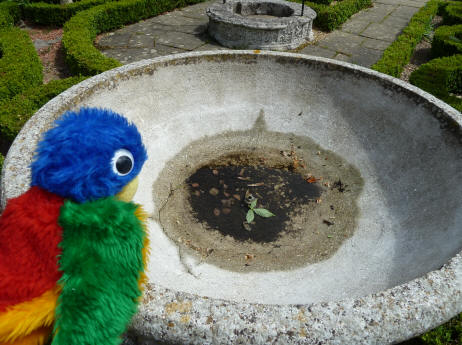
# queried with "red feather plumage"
point(29, 239)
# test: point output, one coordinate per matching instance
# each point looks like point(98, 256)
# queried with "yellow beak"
point(127, 193)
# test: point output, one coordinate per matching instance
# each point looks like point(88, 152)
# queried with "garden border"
point(44, 13)
point(399, 53)
point(20, 65)
point(445, 42)
point(15, 113)
point(80, 31)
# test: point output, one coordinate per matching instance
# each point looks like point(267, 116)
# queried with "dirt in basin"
point(204, 193)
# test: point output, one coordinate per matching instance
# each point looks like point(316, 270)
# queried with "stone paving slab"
point(382, 32)
point(361, 40)
point(318, 51)
point(343, 42)
point(374, 44)
point(196, 11)
point(364, 56)
point(404, 12)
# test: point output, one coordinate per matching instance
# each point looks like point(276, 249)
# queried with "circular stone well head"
point(260, 24)
point(361, 171)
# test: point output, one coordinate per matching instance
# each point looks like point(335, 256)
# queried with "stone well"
point(260, 24)
point(385, 156)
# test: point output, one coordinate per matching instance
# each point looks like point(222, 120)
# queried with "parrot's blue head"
point(88, 154)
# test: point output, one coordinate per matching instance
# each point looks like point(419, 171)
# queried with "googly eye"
point(122, 162)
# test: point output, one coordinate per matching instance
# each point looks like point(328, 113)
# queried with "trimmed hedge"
point(447, 41)
point(332, 17)
point(15, 113)
point(399, 53)
point(440, 77)
point(80, 31)
point(20, 66)
point(56, 15)
point(10, 13)
point(452, 13)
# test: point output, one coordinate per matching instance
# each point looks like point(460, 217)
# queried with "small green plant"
point(262, 212)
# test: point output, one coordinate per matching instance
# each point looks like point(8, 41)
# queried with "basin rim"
point(389, 316)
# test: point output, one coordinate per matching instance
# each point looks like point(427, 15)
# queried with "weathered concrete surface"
point(258, 24)
point(376, 288)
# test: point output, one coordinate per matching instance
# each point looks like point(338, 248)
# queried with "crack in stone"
point(186, 267)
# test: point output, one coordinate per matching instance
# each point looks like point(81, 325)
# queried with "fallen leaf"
point(311, 179)
point(243, 178)
point(195, 185)
point(216, 212)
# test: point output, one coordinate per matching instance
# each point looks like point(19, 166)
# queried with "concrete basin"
point(372, 258)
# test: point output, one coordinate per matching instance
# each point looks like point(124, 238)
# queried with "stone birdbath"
point(361, 171)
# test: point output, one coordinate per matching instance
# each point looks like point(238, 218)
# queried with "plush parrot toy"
point(73, 247)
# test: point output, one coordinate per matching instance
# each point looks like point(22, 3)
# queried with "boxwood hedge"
point(15, 112)
point(20, 66)
point(80, 31)
point(399, 53)
point(447, 41)
point(452, 13)
point(10, 13)
point(331, 17)
point(442, 78)
point(54, 14)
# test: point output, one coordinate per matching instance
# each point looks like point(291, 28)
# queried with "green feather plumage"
point(101, 262)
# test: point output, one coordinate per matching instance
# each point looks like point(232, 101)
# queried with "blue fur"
point(74, 158)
